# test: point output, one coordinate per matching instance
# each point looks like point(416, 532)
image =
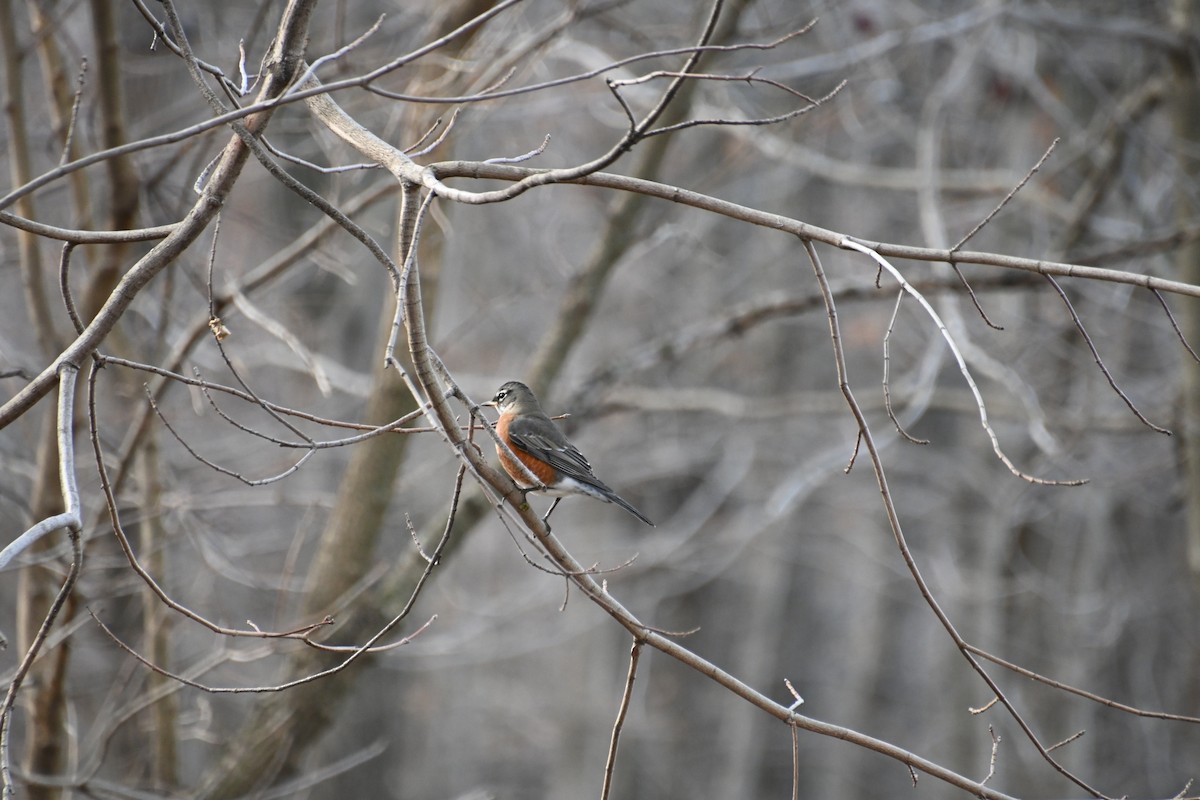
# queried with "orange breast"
point(544, 472)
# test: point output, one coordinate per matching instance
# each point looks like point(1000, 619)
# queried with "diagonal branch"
point(1100, 361)
point(962, 366)
point(610, 764)
point(898, 532)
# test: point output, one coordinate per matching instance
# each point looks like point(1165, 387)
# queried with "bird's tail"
point(615, 498)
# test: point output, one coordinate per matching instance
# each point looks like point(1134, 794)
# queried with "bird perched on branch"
point(545, 452)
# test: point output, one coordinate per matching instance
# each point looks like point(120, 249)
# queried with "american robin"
point(544, 450)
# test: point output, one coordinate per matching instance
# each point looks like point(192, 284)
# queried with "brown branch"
point(893, 518)
point(1007, 198)
point(804, 230)
point(1175, 325)
point(1099, 361)
point(754, 122)
point(1104, 701)
point(610, 763)
point(85, 237)
point(887, 361)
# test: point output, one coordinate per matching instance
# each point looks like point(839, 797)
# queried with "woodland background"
point(692, 351)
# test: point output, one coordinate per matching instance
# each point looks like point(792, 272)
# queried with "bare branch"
point(232, 159)
point(85, 237)
point(1065, 741)
point(1100, 362)
point(962, 366)
point(279, 687)
point(692, 51)
point(887, 360)
point(898, 532)
point(804, 230)
point(147, 578)
point(1008, 197)
point(69, 139)
point(995, 750)
point(70, 519)
point(623, 709)
point(311, 72)
point(1175, 325)
point(1104, 701)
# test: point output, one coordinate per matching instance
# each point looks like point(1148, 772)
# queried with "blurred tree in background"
point(237, 239)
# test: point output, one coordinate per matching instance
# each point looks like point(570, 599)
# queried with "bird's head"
point(514, 397)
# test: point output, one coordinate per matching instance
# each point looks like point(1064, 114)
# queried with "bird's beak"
point(488, 404)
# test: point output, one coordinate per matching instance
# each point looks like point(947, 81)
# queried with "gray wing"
point(555, 450)
point(540, 438)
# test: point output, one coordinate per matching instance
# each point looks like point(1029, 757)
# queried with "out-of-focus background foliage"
point(700, 384)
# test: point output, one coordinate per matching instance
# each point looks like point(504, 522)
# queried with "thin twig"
point(971, 293)
point(537, 151)
point(962, 366)
point(243, 75)
point(1065, 687)
point(266, 437)
point(887, 360)
point(984, 708)
point(1011, 193)
point(207, 386)
point(336, 54)
point(1183, 339)
point(69, 139)
point(1065, 741)
point(995, 749)
point(303, 162)
point(64, 286)
point(853, 455)
point(268, 689)
point(757, 121)
point(217, 467)
point(799, 701)
point(119, 531)
point(795, 762)
point(1099, 361)
point(751, 77)
point(218, 341)
point(412, 152)
point(695, 50)
point(611, 762)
